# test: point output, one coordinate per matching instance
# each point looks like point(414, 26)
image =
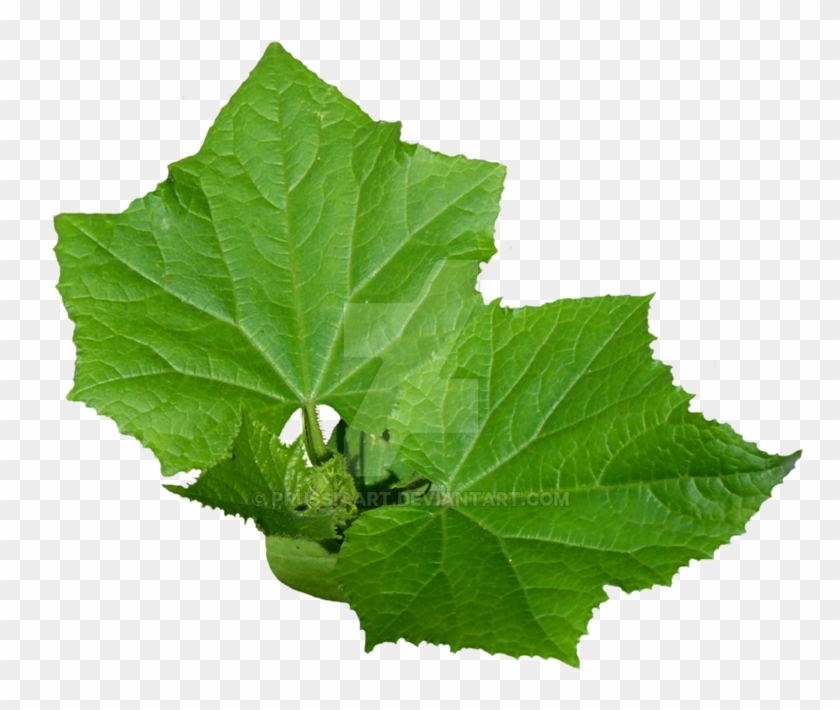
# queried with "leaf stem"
point(313, 439)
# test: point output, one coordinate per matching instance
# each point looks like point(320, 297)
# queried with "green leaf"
point(303, 256)
point(269, 482)
point(563, 459)
point(306, 256)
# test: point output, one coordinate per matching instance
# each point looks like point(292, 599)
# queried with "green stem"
point(313, 439)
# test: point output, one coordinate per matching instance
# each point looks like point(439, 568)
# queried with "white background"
point(691, 149)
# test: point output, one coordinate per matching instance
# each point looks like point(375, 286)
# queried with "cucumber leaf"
point(494, 468)
point(303, 256)
point(562, 459)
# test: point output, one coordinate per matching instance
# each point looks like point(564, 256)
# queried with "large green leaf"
point(306, 256)
point(563, 458)
point(303, 256)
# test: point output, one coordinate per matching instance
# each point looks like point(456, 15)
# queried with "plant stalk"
point(313, 438)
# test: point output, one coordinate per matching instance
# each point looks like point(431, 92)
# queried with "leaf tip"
point(167, 469)
point(789, 461)
point(273, 48)
point(59, 219)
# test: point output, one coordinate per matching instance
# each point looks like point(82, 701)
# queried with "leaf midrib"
point(287, 217)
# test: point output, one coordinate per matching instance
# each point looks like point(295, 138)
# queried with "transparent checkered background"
point(691, 149)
